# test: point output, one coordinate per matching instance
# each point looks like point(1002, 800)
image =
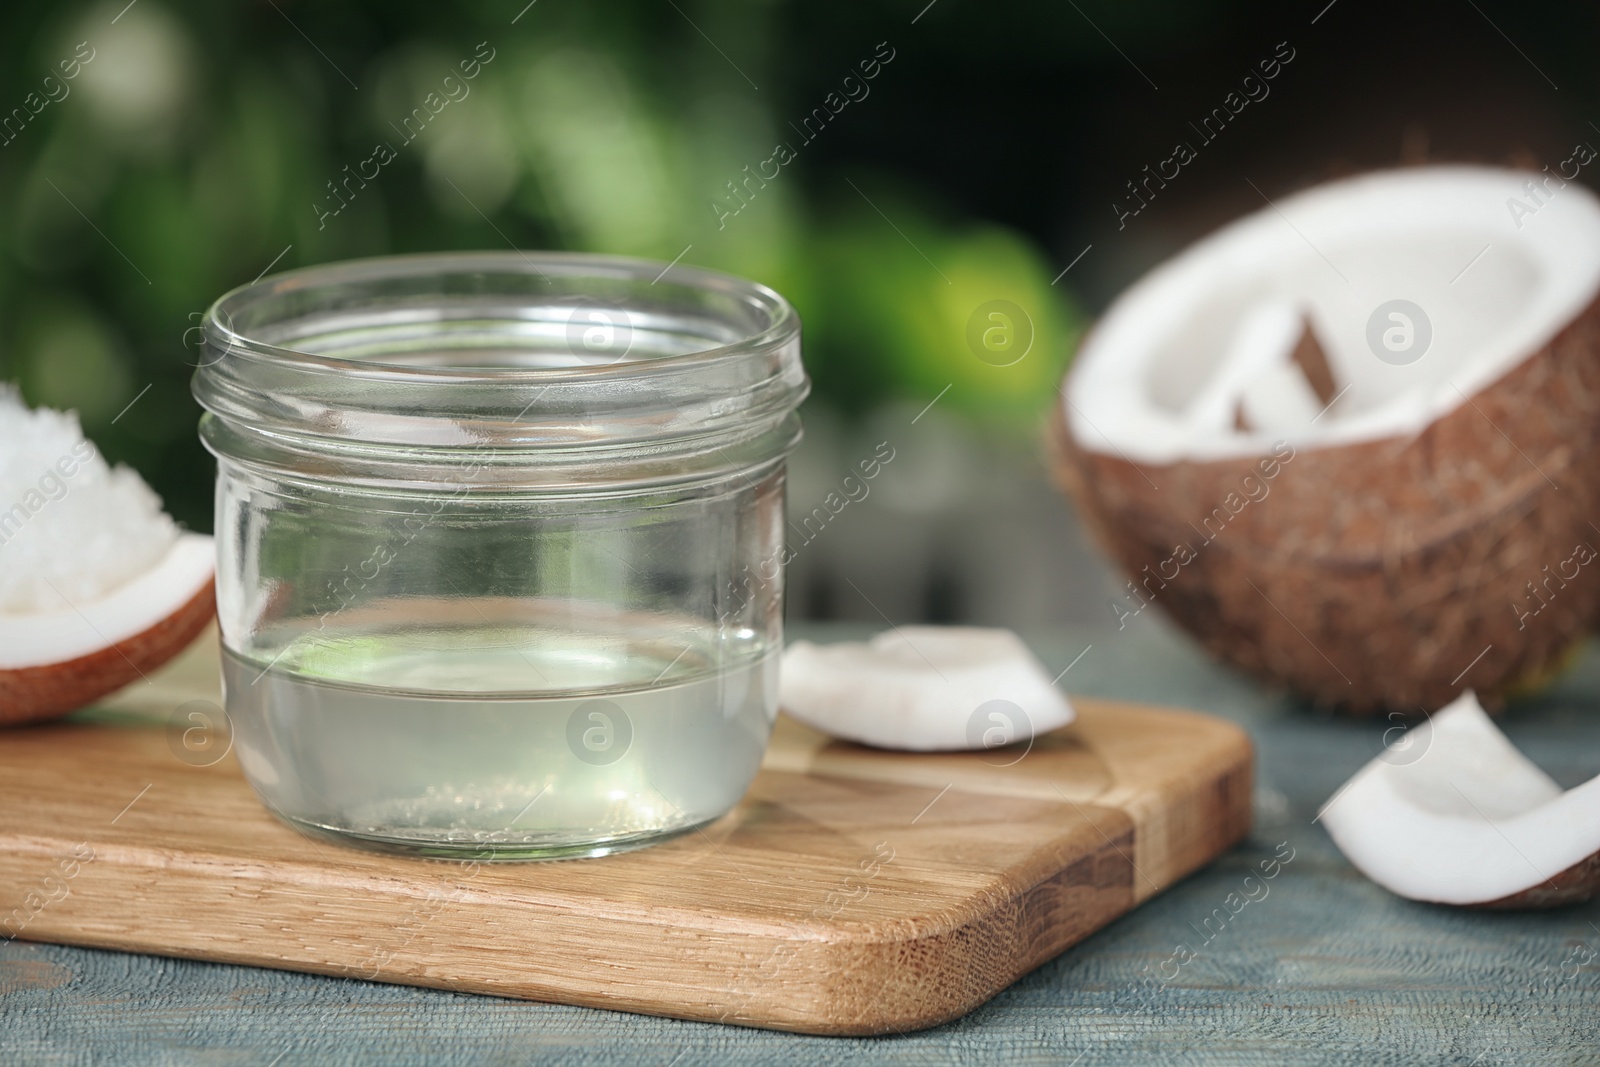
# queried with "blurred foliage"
point(202, 143)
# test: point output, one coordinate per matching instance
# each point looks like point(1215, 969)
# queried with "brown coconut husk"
point(1313, 363)
point(1386, 574)
point(1576, 884)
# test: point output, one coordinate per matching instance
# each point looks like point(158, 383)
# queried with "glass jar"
point(498, 545)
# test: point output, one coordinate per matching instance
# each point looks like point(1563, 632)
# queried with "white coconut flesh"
point(87, 557)
point(1209, 334)
point(44, 636)
point(924, 688)
point(1468, 821)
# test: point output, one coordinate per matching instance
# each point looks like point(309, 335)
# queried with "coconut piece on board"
point(97, 584)
point(924, 688)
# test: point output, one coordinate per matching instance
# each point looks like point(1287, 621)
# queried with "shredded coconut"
point(72, 529)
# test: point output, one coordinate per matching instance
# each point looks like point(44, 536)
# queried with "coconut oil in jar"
point(497, 546)
point(443, 742)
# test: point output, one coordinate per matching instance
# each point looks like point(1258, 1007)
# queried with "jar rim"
point(783, 320)
point(408, 360)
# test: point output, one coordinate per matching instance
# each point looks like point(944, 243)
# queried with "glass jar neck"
point(540, 371)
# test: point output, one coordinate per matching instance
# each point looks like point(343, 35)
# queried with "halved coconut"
point(924, 688)
point(1352, 442)
point(97, 585)
point(1468, 820)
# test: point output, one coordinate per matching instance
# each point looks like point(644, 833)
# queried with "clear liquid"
point(503, 741)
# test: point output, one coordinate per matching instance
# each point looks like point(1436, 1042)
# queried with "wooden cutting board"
point(852, 892)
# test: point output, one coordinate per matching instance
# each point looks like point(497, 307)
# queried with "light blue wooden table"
point(1326, 968)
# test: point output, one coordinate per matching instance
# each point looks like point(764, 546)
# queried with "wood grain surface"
point(852, 892)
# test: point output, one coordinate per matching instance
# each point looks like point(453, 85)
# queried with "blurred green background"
point(198, 144)
point(202, 143)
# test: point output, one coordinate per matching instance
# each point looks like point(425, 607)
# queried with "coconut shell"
point(1576, 884)
point(1388, 574)
point(34, 694)
point(1313, 363)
